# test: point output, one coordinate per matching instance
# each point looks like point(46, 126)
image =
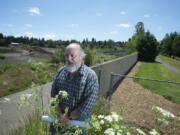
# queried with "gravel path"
point(167, 65)
point(137, 104)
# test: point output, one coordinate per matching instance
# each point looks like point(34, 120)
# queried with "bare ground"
point(137, 104)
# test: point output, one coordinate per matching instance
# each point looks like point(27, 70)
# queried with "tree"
point(147, 47)
point(176, 46)
point(139, 28)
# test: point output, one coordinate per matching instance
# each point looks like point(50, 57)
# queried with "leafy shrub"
point(5, 67)
point(58, 57)
point(2, 57)
point(88, 60)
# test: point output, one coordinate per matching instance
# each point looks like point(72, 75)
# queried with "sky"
point(79, 19)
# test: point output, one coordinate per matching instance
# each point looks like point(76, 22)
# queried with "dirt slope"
point(137, 104)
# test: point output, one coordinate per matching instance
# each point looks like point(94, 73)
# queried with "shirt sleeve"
point(90, 95)
point(54, 92)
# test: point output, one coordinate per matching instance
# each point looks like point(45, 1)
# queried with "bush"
point(59, 56)
point(146, 47)
point(89, 57)
point(5, 67)
point(2, 57)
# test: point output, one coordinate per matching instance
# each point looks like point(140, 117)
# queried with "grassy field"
point(170, 61)
point(158, 71)
point(15, 78)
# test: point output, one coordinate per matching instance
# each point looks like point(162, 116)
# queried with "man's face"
point(73, 56)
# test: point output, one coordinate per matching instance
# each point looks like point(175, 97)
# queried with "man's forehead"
point(72, 50)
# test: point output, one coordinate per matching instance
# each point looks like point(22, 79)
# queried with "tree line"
point(6, 40)
point(148, 47)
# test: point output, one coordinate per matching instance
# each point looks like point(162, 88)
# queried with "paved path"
point(167, 65)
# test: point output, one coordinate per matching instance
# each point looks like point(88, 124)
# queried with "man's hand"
point(64, 120)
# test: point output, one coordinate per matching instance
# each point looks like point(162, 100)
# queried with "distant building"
point(14, 44)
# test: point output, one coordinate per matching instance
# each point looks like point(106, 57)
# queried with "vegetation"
point(157, 71)
point(6, 40)
point(2, 56)
point(15, 78)
point(144, 42)
point(103, 122)
point(170, 45)
point(170, 61)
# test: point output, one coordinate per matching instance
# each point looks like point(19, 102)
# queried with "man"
point(81, 84)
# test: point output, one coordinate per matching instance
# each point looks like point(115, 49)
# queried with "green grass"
point(158, 71)
point(170, 61)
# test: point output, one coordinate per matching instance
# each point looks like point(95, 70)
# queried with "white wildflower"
point(119, 133)
point(140, 132)
point(52, 100)
point(115, 116)
point(102, 122)
point(128, 133)
point(25, 96)
point(154, 132)
point(101, 116)
point(109, 131)
point(165, 113)
point(5, 100)
point(64, 94)
point(108, 118)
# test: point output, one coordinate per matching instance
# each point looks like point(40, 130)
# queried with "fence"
point(114, 77)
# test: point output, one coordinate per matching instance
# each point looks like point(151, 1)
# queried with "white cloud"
point(99, 14)
point(111, 32)
point(9, 25)
point(30, 34)
point(49, 36)
point(28, 25)
point(72, 25)
point(123, 12)
point(147, 16)
point(123, 25)
point(34, 11)
point(68, 37)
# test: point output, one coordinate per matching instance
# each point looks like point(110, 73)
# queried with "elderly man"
point(81, 84)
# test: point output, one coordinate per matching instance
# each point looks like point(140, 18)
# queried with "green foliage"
point(146, 47)
point(170, 45)
point(102, 107)
point(176, 46)
point(22, 76)
point(2, 56)
point(131, 45)
point(157, 71)
point(59, 56)
point(88, 60)
point(4, 68)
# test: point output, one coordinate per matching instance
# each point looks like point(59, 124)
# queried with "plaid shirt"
point(82, 89)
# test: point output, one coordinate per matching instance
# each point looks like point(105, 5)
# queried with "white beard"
point(73, 68)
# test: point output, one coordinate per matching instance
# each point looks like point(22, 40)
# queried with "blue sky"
point(78, 19)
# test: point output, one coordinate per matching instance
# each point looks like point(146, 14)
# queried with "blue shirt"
point(82, 89)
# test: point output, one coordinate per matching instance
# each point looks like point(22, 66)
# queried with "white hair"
point(80, 49)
